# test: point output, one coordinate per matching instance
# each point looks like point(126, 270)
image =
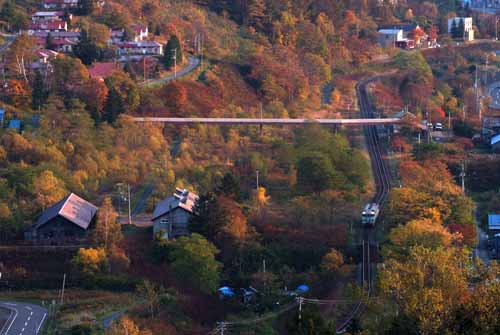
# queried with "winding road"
point(24, 319)
point(193, 63)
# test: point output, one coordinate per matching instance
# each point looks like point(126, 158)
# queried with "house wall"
point(58, 230)
point(177, 225)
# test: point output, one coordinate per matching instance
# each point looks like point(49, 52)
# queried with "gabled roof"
point(73, 208)
point(102, 69)
point(182, 198)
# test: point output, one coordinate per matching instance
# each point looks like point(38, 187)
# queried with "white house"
point(468, 30)
point(389, 37)
point(171, 215)
point(49, 16)
point(135, 51)
point(51, 26)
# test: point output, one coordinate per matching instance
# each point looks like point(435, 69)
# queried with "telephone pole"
point(129, 210)
point(462, 176)
point(257, 182)
point(174, 57)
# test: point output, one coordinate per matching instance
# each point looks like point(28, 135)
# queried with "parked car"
point(438, 126)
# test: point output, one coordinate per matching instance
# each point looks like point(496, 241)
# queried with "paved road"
point(25, 319)
point(193, 63)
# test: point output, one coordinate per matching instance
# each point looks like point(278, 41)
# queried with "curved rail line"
point(382, 178)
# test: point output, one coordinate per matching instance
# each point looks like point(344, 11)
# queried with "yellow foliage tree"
point(332, 261)
point(48, 189)
point(126, 326)
point(90, 261)
point(107, 231)
point(428, 285)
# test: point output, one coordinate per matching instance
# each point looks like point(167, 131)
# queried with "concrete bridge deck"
point(267, 121)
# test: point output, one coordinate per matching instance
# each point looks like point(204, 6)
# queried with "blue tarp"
point(302, 289)
point(226, 291)
point(15, 124)
point(2, 113)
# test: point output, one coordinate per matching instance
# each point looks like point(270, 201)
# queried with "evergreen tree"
point(453, 29)
point(86, 50)
point(49, 42)
point(114, 106)
point(86, 7)
point(39, 96)
point(230, 186)
point(461, 28)
point(172, 49)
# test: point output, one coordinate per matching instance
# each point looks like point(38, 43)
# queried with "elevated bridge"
point(268, 121)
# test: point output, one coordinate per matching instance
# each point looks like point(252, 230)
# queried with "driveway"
point(24, 319)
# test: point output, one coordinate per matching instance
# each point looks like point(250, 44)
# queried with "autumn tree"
point(126, 325)
point(107, 231)
point(90, 261)
point(172, 50)
point(427, 286)
point(175, 96)
point(332, 261)
point(48, 189)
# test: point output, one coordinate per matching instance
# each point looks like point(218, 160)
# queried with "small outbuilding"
point(495, 143)
point(171, 215)
point(66, 221)
point(493, 224)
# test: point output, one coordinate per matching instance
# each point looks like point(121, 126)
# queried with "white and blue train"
point(370, 214)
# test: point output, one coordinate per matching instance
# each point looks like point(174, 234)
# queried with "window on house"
point(164, 221)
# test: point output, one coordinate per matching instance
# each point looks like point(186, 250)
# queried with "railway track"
point(382, 179)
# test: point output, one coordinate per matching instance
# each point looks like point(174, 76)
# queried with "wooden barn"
point(67, 221)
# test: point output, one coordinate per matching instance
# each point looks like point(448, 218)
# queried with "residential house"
point(73, 36)
point(140, 32)
point(134, 51)
point(43, 59)
point(60, 44)
point(60, 4)
point(66, 221)
point(52, 26)
point(171, 215)
point(116, 36)
point(468, 29)
point(407, 28)
point(44, 16)
point(389, 37)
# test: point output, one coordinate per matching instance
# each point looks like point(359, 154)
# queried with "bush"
point(463, 129)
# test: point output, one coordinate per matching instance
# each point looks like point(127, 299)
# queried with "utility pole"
point(463, 113)
point(62, 290)
point(257, 183)
point(144, 67)
point(477, 92)
point(261, 117)
point(174, 57)
point(462, 176)
point(129, 209)
point(496, 28)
